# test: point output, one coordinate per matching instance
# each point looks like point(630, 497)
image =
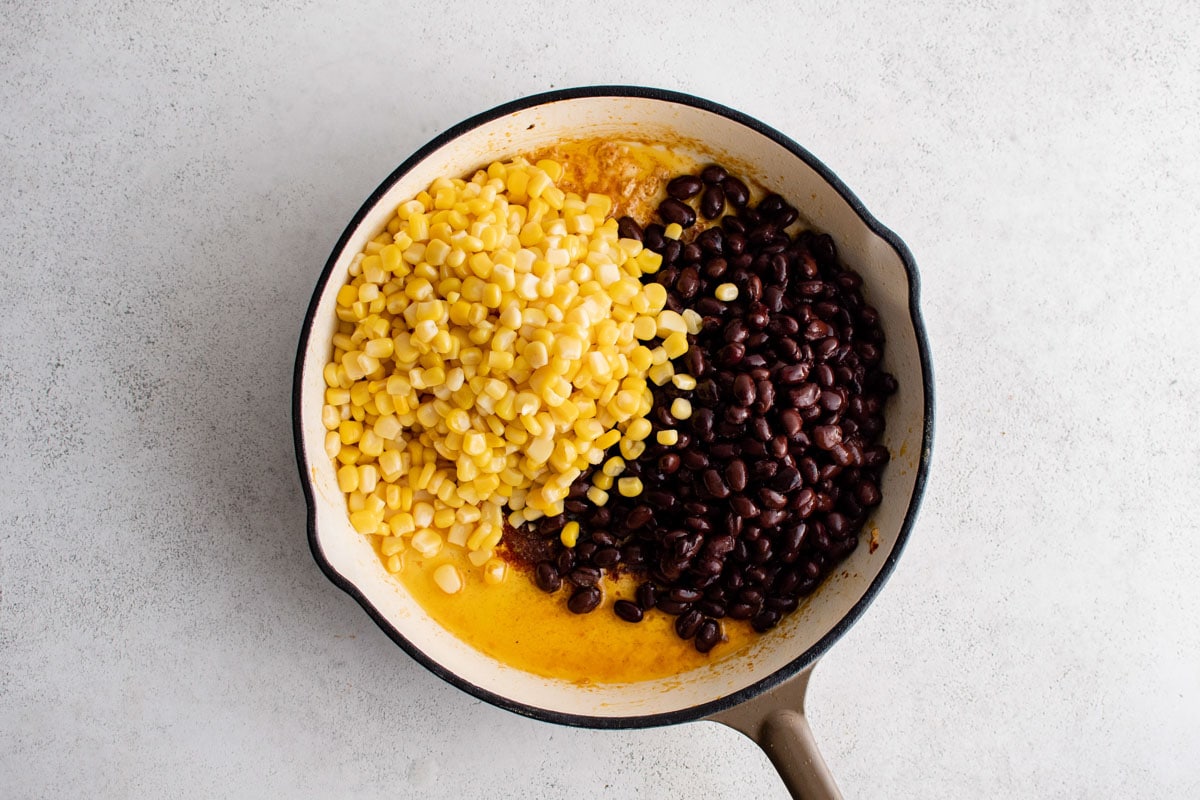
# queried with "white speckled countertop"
point(174, 180)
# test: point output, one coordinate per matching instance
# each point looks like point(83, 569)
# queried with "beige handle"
point(775, 721)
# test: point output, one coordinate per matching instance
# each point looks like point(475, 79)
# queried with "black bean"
point(754, 288)
point(793, 374)
point(652, 237)
point(708, 635)
point(687, 624)
point(744, 390)
point(584, 576)
point(712, 202)
point(786, 480)
point(714, 173)
point(633, 555)
point(792, 423)
point(688, 283)
point(804, 395)
point(684, 187)
point(603, 538)
point(640, 515)
point(584, 600)
point(606, 557)
point(765, 620)
point(868, 493)
point(762, 470)
point(824, 375)
point(646, 596)
point(714, 269)
point(772, 498)
point(772, 517)
point(743, 506)
point(715, 484)
point(685, 595)
point(736, 475)
point(547, 577)
point(735, 241)
point(628, 228)
point(736, 192)
point(678, 212)
point(696, 362)
point(672, 607)
point(630, 612)
point(827, 437)
point(730, 355)
point(711, 240)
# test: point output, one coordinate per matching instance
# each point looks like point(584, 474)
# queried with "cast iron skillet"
point(759, 692)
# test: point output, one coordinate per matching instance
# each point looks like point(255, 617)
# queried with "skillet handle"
point(775, 721)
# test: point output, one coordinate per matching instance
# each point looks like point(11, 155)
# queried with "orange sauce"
point(517, 623)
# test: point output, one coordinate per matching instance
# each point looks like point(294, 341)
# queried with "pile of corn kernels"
point(492, 345)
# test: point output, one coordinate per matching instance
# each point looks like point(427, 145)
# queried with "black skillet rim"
point(806, 658)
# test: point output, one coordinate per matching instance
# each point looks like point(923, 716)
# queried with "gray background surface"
point(174, 177)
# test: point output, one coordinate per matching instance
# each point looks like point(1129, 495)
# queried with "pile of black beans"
point(778, 467)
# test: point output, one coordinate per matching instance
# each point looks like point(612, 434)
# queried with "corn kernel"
point(613, 467)
point(668, 437)
point(448, 579)
point(629, 487)
point(366, 521)
point(638, 429)
point(631, 449)
point(681, 408)
point(676, 345)
point(570, 534)
point(683, 382)
point(661, 373)
point(347, 478)
point(598, 496)
point(726, 292)
point(427, 542)
point(671, 321)
point(494, 571)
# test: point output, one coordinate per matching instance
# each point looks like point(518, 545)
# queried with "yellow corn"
point(667, 438)
point(629, 487)
point(494, 571)
point(347, 478)
point(570, 534)
point(681, 408)
point(631, 449)
point(448, 579)
point(676, 345)
point(489, 349)
point(683, 382)
point(613, 467)
point(726, 292)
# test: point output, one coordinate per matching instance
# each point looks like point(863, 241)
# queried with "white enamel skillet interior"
point(713, 133)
